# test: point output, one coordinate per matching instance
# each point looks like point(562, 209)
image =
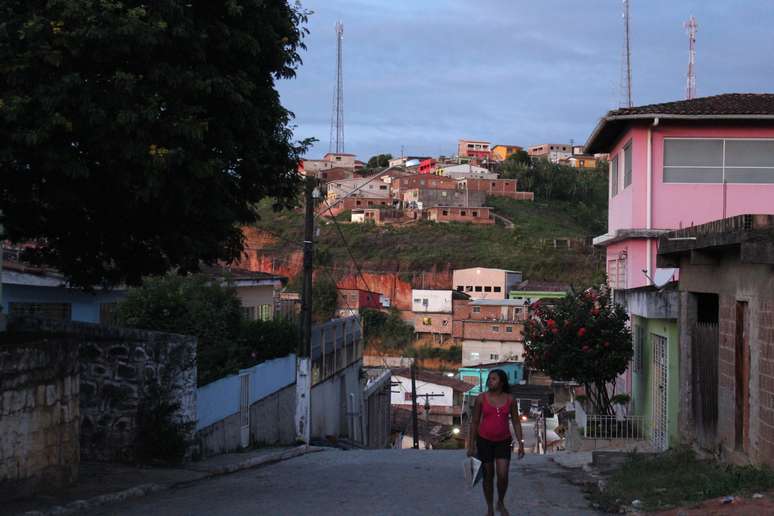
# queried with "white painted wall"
point(476, 352)
point(399, 398)
point(431, 301)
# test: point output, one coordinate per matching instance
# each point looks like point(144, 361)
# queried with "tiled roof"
point(729, 106)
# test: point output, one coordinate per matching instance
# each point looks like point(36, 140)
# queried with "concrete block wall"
point(39, 415)
point(271, 423)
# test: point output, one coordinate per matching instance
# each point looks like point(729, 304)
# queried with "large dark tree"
point(136, 137)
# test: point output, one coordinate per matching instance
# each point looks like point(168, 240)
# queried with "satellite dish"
point(663, 276)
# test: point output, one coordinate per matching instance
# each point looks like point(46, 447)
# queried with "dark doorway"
point(705, 348)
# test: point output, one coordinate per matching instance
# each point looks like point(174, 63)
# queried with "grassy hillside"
point(423, 245)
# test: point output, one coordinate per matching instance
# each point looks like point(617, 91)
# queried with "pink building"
point(679, 164)
point(673, 166)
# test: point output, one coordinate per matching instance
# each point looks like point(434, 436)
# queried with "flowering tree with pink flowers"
point(583, 337)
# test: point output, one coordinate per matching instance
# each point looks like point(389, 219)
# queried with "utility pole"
point(427, 416)
point(414, 426)
point(303, 359)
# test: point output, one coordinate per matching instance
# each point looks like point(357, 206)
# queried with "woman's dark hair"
point(503, 379)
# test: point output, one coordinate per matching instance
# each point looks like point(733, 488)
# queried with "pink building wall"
point(675, 205)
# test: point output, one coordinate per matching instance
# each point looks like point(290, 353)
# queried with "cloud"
point(424, 73)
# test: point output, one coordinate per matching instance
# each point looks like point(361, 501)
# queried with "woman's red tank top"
point(494, 420)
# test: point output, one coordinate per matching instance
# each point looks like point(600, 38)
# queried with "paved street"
point(364, 482)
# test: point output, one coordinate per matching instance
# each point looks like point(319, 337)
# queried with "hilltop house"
point(672, 166)
point(445, 409)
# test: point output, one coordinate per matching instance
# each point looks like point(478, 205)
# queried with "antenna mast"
point(690, 28)
point(337, 117)
point(626, 64)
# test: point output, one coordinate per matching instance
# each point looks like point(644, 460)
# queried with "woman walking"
point(490, 436)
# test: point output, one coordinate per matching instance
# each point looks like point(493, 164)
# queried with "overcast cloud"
point(423, 73)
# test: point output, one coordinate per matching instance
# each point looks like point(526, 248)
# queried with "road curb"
point(146, 489)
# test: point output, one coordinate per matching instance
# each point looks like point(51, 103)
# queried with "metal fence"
point(615, 427)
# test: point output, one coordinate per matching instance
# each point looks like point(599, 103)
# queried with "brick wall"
point(38, 414)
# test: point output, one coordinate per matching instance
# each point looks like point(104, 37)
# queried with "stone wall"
point(38, 414)
point(118, 369)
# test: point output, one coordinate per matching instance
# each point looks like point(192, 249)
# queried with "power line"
point(346, 246)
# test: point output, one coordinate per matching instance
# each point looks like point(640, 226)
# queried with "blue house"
point(478, 374)
point(44, 293)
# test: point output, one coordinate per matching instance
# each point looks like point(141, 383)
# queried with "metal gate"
point(704, 382)
point(660, 390)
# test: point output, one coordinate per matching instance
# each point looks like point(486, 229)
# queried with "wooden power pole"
point(414, 426)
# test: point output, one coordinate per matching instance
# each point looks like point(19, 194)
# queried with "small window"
point(427, 321)
point(357, 203)
point(468, 288)
point(497, 289)
point(478, 288)
point(614, 177)
point(474, 355)
point(509, 329)
point(417, 300)
point(487, 289)
point(494, 356)
point(463, 213)
point(248, 312)
point(445, 322)
point(338, 158)
point(475, 214)
point(445, 212)
point(627, 164)
point(476, 309)
point(383, 187)
point(496, 329)
point(460, 288)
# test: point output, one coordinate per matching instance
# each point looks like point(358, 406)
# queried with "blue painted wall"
point(85, 306)
point(514, 371)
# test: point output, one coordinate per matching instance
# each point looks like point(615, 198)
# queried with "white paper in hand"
point(473, 471)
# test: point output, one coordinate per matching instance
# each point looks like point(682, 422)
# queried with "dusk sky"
point(424, 73)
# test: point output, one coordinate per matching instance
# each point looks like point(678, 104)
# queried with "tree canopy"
point(586, 189)
point(210, 310)
point(583, 337)
point(137, 137)
point(379, 161)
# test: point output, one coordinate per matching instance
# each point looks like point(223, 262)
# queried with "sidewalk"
point(104, 483)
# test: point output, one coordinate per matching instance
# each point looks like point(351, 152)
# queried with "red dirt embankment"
point(395, 285)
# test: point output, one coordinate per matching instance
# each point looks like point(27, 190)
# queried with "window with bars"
point(266, 312)
point(639, 340)
point(55, 311)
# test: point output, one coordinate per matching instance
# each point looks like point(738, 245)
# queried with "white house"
point(431, 301)
point(445, 408)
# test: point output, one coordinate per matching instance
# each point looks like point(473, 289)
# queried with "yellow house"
point(501, 152)
point(582, 161)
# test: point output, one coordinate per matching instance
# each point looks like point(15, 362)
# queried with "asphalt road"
point(364, 482)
